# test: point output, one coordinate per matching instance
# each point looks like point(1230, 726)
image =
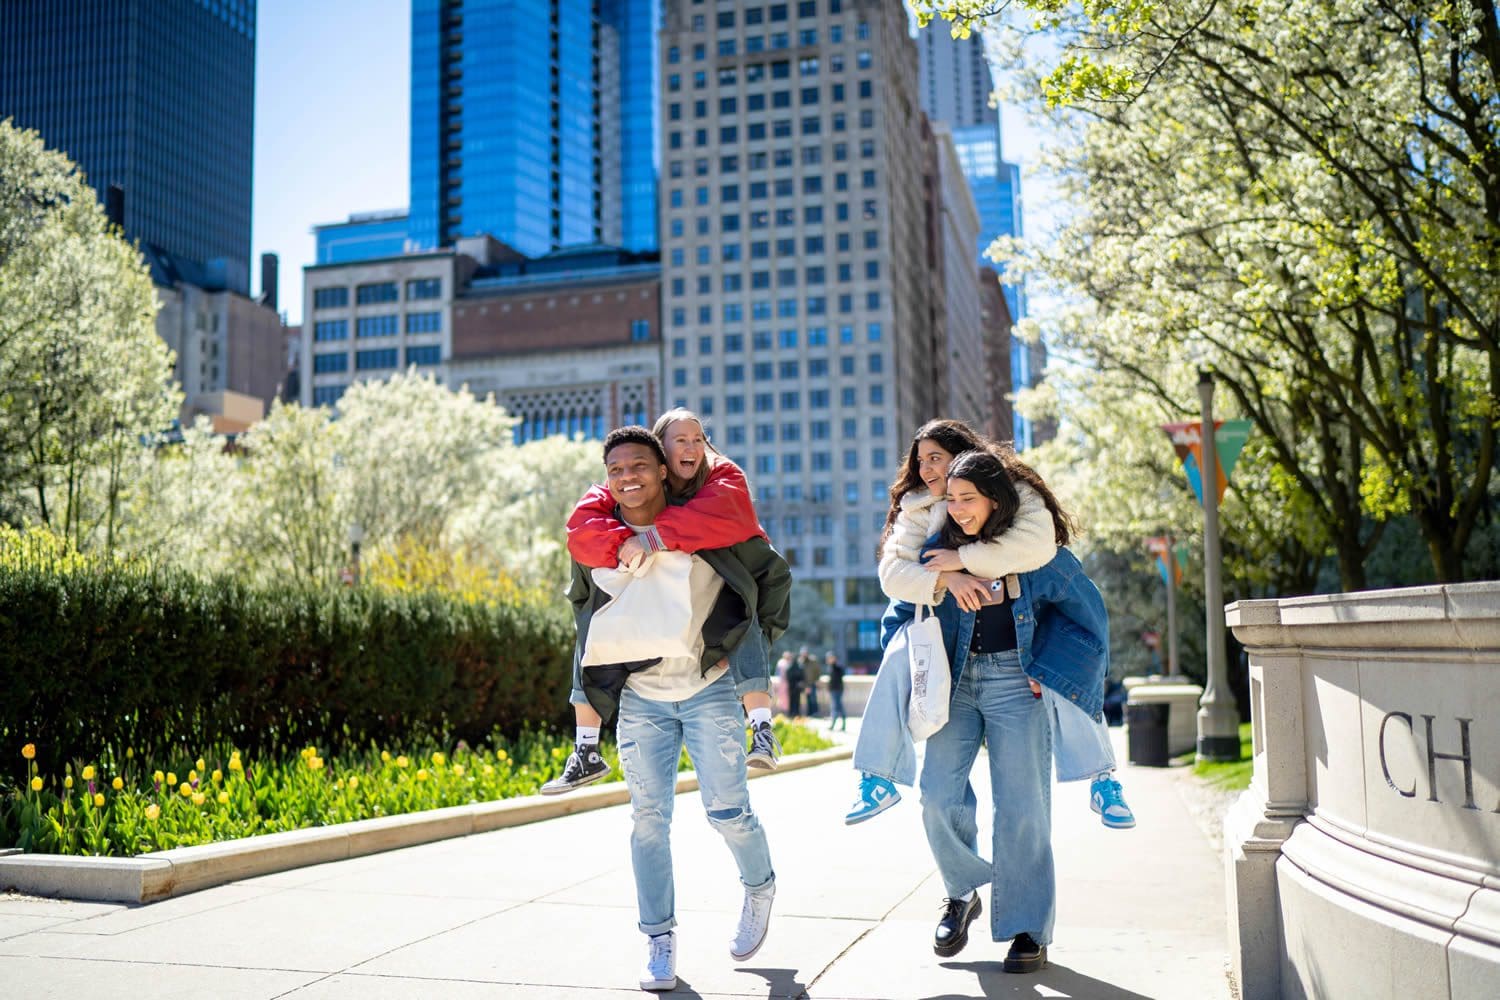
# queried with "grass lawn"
point(1229, 776)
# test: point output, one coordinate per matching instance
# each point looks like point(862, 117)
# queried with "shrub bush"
point(97, 654)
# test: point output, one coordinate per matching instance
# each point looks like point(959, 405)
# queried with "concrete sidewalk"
point(548, 910)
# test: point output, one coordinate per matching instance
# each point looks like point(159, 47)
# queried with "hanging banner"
point(1168, 558)
point(1229, 440)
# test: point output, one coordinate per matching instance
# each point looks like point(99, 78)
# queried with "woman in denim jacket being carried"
point(1049, 638)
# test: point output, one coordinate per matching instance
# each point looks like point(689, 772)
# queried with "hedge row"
point(104, 656)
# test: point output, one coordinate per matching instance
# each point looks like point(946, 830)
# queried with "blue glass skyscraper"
point(156, 97)
point(533, 121)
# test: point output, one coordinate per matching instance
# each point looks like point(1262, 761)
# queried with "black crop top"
point(994, 628)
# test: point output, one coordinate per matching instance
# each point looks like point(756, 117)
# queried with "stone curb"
point(147, 878)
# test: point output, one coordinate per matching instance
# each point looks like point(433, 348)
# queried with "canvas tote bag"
point(931, 680)
point(650, 614)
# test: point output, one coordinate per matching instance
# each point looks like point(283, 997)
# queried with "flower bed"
point(120, 805)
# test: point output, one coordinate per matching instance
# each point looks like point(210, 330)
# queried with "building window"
point(428, 354)
point(327, 395)
point(384, 291)
point(376, 326)
point(424, 288)
point(428, 322)
point(330, 363)
point(640, 329)
point(331, 329)
point(331, 298)
point(373, 360)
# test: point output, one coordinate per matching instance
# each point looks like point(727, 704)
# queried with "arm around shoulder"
point(720, 514)
point(595, 534)
point(902, 575)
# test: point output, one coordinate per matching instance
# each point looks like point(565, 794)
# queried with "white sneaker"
point(661, 962)
point(755, 920)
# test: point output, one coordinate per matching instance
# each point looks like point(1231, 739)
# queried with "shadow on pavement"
point(780, 983)
point(1059, 980)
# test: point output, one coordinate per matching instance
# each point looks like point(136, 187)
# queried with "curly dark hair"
point(633, 434)
point(953, 436)
point(957, 437)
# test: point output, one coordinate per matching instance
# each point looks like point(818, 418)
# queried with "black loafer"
point(953, 928)
point(1025, 955)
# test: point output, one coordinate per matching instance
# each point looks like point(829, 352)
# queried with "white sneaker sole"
point(565, 789)
point(762, 763)
point(659, 985)
point(747, 955)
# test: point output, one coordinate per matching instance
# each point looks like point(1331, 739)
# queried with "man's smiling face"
point(635, 475)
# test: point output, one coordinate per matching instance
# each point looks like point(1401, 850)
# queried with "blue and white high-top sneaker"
point(876, 795)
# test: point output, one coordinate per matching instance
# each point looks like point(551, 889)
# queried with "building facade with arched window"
point(569, 345)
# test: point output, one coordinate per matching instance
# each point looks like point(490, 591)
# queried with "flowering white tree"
point(417, 466)
point(1305, 198)
point(83, 375)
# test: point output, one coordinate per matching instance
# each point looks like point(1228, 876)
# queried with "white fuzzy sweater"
point(1029, 543)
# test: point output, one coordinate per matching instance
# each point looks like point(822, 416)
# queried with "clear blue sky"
point(332, 127)
point(332, 93)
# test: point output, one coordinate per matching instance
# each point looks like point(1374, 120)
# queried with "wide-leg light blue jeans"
point(994, 705)
point(651, 736)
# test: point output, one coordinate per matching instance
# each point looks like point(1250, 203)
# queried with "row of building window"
point(780, 69)
point(818, 461)
point(573, 423)
point(785, 246)
point(374, 293)
point(427, 354)
point(786, 277)
point(387, 325)
point(814, 305)
point(779, 159)
point(819, 525)
point(787, 401)
point(780, 128)
point(774, 13)
point(764, 371)
point(776, 99)
point(774, 41)
point(762, 340)
point(813, 493)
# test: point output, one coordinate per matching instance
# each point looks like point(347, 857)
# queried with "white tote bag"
point(650, 614)
point(931, 680)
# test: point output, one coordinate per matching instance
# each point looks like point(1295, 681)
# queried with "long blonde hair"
point(710, 453)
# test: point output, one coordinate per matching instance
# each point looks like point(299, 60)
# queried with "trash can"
point(1146, 733)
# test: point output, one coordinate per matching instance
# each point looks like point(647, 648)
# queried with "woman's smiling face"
point(969, 508)
point(686, 447)
point(932, 465)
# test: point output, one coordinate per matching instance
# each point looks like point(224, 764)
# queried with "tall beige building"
point(801, 199)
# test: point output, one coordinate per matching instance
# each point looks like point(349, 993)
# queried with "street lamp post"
point(1218, 718)
point(1173, 669)
point(356, 536)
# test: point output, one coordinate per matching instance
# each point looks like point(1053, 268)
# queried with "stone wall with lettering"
point(1364, 860)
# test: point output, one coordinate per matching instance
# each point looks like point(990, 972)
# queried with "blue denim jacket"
point(1062, 630)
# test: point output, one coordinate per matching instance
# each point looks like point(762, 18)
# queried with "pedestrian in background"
point(835, 672)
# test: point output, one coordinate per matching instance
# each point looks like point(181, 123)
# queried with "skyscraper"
point(956, 84)
point(532, 121)
point(797, 283)
point(153, 97)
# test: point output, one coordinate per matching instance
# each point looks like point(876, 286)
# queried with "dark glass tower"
point(156, 97)
point(533, 121)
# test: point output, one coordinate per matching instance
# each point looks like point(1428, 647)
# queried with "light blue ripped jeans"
point(651, 735)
